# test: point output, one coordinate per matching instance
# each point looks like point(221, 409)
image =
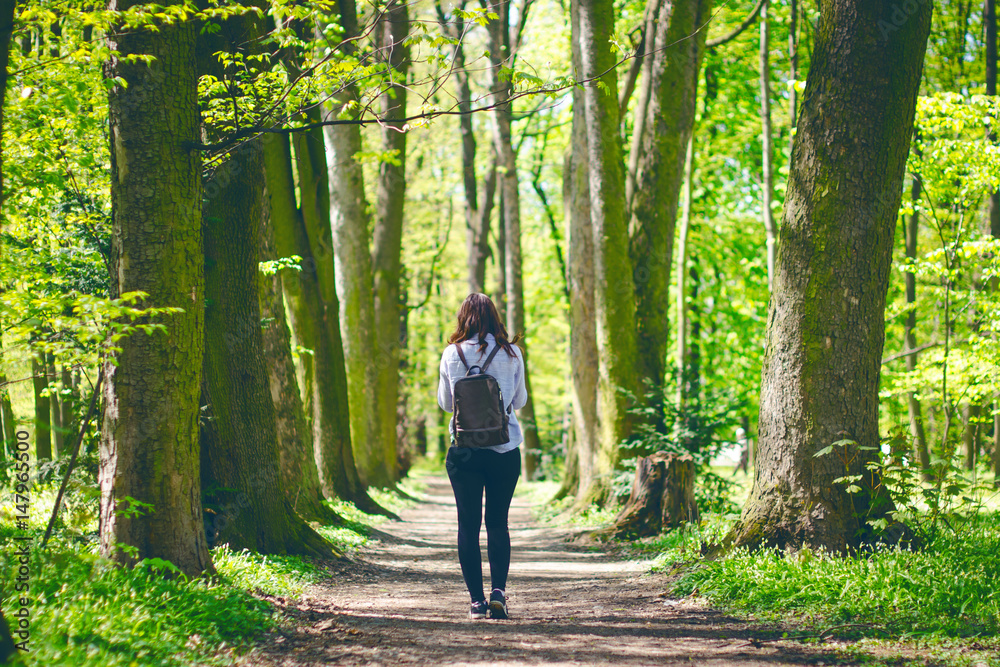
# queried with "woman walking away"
point(482, 382)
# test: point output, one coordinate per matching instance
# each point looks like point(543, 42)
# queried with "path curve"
point(402, 602)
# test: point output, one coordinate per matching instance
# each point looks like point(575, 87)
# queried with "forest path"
point(402, 602)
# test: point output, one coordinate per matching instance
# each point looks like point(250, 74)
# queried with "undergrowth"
point(88, 612)
point(950, 588)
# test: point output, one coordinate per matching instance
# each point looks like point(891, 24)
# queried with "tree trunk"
point(149, 441)
point(66, 400)
point(990, 19)
point(659, 148)
point(241, 470)
point(826, 329)
point(299, 473)
point(970, 436)
point(614, 290)
point(510, 216)
point(353, 270)
point(43, 412)
point(477, 212)
point(922, 454)
point(500, 262)
point(313, 308)
point(55, 405)
point(394, 28)
point(582, 330)
point(793, 60)
point(767, 163)
point(662, 497)
point(6, 34)
point(682, 276)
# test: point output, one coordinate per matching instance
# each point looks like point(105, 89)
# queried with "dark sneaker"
point(478, 609)
point(498, 604)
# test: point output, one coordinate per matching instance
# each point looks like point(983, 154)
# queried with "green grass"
point(89, 612)
point(951, 588)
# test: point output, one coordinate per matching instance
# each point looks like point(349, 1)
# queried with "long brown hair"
point(477, 317)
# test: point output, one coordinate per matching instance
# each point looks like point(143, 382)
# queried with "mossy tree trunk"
point(241, 465)
point(295, 444)
point(582, 331)
point(614, 291)
point(826, 324)
point(656, 165)
point(349, 221)
point(501, 55)
point(387, 248)
point(43, 409)
point(149, 441)
point(314, 311)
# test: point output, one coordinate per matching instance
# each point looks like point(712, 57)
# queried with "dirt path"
point(403, 603)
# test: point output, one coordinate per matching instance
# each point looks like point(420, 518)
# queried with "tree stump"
point(662, 497)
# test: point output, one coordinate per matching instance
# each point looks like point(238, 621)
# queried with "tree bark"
point(299, 473)
point(6, 35)
point(793, 60)
point(55, 404)
point(582, 330)
point(921, 452)
point(387, 250)
point(662, 496)
point(313, 308)
point(826, 318)
point(990, 19)
point(614, 290)
point(477, 211)
point(970, 435)
point(510, 215)
point(149, 441)
point(353, 271)
point(682, 277)
point(43, 412)
point(659, 148)
point(767, 162)
point(241, 470)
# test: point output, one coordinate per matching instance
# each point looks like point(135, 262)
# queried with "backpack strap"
point(461, 355)
point(490, 358)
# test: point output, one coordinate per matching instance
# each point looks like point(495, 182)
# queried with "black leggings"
point(471, 471)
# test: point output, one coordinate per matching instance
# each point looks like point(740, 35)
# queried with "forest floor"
point(401, 601)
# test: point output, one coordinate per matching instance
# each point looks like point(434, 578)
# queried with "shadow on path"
point(403, 603)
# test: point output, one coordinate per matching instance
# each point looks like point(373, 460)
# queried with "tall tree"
point(914, 411)
point(682, 295)
point(501, 48)
point(826, 327)
point(767, 142)
point(241, 465)
point(313, 308)
point(43, 412)
point(664, 121)
point(614, 291)
point(582, 331)
point(350, 223)
point(149, 442)
point(387, 249)
point(298, 462)
point(478, 205)
point(6, 35)
point(990, 19)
